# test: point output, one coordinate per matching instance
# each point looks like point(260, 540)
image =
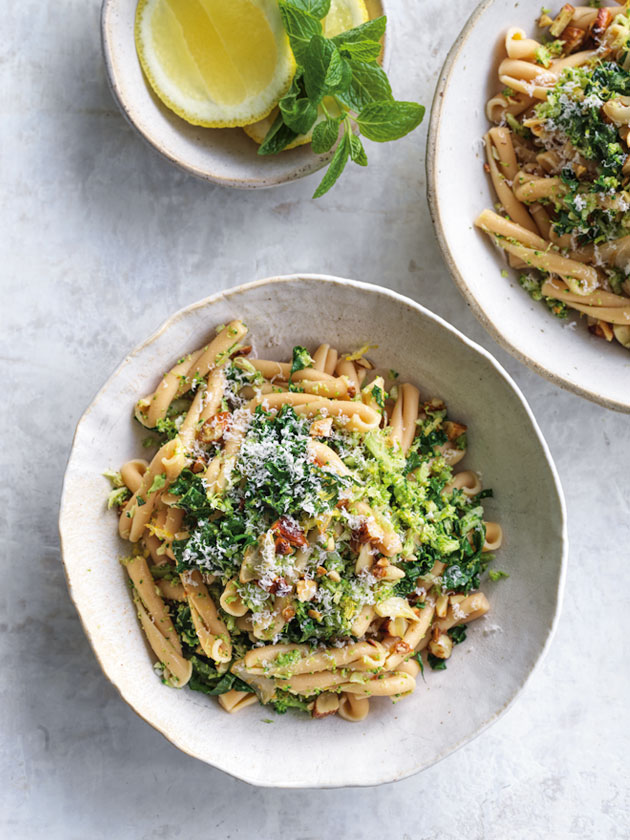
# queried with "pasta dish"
point(299, 537)
point(559, 164)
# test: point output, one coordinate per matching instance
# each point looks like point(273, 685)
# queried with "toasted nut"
point(334, 575)
point(290, 531)
point(573, 38)
point(601, 24)
point(315, 614)
point(442, 647)
point(282, 546)
point(288, 613)
point(245, 350)
point(280, 587)
point(213, 429)
point(320, 571)
point(326, 704)
point(454, 430)
point(321, 427)
point(305, 589)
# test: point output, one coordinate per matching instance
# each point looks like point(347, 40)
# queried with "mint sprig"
point(343, 70)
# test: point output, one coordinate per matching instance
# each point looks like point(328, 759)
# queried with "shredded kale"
point(457, 634)
point(436, 663)
point(207, 679)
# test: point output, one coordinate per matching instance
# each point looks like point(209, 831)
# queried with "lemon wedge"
point(343, 15)
point(212, 62)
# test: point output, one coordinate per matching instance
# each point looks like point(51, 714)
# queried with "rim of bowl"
point(436, 216)
point(308, 163)
point(471, 345)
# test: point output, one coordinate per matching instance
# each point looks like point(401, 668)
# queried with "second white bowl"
point(459, 189)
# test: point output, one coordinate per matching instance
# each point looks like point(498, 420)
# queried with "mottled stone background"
point(101, 241)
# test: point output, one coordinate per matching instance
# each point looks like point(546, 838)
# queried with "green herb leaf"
point(298, 114)
point(436, 663)
point(317, 8)
point(324, 68)
point(301, 359)
point(325, 136)
point(383, 121)
point(357, 153)
point(457, 634)
point(362, 50)
point(369, 84)
point(301, 27)
point(372, 30)
point(337, 165)
point(278, 137)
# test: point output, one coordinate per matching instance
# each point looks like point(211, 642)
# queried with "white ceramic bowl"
point(459, 189)
point(485, 674)
point(225, 156)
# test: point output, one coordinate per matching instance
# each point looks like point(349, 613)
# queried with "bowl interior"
point(485, 673)
point(563, 351)
point(226, 156)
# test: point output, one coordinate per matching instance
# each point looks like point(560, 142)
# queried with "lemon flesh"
point(343, 15)
point(215, 63)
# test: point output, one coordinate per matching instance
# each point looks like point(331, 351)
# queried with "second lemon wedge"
point(215, 63)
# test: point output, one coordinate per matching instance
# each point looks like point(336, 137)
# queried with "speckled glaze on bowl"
point(458, 189)
point(225, 156)
point(485, 674)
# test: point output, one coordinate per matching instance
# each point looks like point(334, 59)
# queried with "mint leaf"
point(383, 121)
point(337, 165)
point(362, 50)
point(373, 30)
point(300, 27)
point(300, 116)
point(324, 68)
point(278, 137)
point(298, 112)
point(317, 8)
point(337, 72)
point(325, 136)
point(369, 84)
point(357, 153)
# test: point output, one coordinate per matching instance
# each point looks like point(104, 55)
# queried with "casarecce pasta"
point(559, 162)
point(299, 537)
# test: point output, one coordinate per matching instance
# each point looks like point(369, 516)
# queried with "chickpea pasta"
point(297, 545)
point(559, 162)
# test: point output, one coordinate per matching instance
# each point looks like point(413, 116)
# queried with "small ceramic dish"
point(225, 156)
point(487, 673)
point(458, 189)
